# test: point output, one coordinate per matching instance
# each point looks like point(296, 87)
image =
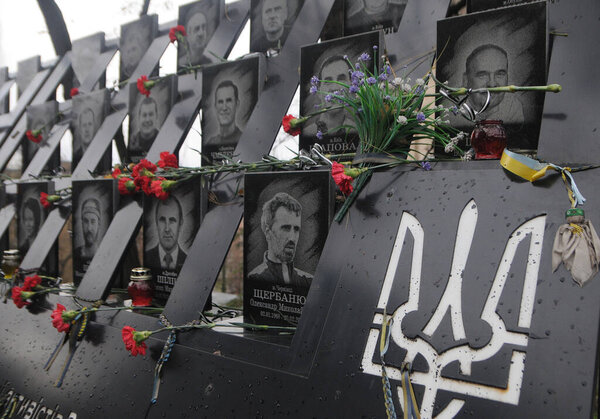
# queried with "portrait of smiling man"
point(369, 15)
point(226, 104)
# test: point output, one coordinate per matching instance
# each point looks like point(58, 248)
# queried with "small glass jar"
point(488, 139)
point(10, 262)
point(141, 287)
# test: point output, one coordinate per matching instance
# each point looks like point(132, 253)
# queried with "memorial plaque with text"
point(229, 92)
point(327, 61)
point(286, 220)
point(170, 226)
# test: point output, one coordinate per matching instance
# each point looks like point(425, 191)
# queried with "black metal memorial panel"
point(460, 258)
point(170, 137)
point(84, 53)
point(5, 84)
point(26, 71)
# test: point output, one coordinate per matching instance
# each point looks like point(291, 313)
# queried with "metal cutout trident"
point(433, 381)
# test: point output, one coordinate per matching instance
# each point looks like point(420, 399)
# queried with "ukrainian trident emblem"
point(433, 381)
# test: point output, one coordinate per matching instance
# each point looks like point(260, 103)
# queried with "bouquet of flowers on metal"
point(396, 122)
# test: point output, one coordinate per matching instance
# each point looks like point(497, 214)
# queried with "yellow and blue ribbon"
point(532, 170)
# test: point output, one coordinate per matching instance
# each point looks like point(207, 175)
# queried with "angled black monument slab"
point(47, 91)
point(570, 130)
point(170, 137)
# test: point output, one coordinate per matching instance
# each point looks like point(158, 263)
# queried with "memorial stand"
point(459, 256)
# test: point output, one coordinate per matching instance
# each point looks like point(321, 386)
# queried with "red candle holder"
point(141, 287)
point(488, 139)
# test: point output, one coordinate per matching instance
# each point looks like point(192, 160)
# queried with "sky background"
point(23, 34)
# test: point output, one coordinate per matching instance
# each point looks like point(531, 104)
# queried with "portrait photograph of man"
point(270, 23)
point(135, 40)
point(89, 111)
point(370, 15)
point(41, 117)
point(286, 220)
point(231, 91)
point(147, 114)
point(170, 226)
point(498, 48)
point(93, 209)
point(326, 61)
point(200, 20)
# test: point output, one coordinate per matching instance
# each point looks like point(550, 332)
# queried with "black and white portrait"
point(498, 48)
point(229, 93)
point(136, 38)
point(200, 20)
point(26, 71)
point(40, 117)
point(270, 23)
point(93, 206)
point(89, 111)
point(31, 215)
point(84, 53)
point(369, 15)
point(170, 226)
point(327, 62)
point(147, 114)
point(480, 5)
point(286, 220)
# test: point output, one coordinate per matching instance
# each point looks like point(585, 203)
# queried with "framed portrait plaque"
point(286, 221)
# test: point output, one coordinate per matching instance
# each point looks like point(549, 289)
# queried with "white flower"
point(402, 120)
point(420, 82)
point(468, 155)
point(397, 81)
point(406, 87)
point(449, 147)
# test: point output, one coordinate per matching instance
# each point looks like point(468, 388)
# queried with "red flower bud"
point(176, 32)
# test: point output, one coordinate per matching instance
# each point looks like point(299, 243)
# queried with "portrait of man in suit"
point(169, 219)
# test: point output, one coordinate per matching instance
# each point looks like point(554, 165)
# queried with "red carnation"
point(144, 85)
point(341, 179)
point(175, 31)
point(74, 91)
point(126, 186)
point(292, 125)
point(143, 183)
point(47, 200)
point(168, 160)
point(17, 298)
point(57, 319)
point(116, 172)
point(160, 188)
point(44, 200)
point(31, 282)
point(34, 136)
point(134, 341)
point(143, 164)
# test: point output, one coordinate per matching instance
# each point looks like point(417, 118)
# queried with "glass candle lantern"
point(141, 288)
point(10, 262)
point(488, 139)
